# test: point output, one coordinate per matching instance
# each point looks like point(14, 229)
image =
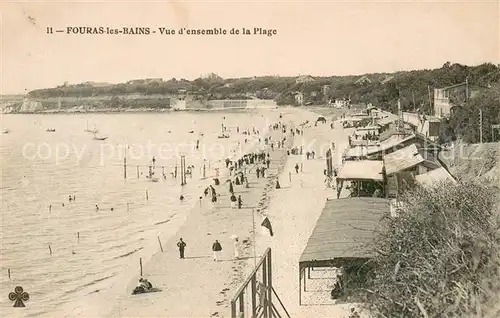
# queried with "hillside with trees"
point(414, 89)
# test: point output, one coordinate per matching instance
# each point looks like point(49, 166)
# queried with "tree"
point(440, 257)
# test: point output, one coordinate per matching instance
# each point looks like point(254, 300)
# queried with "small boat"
point(99, 138)
point(50, 130)
point(191, 131)
point(5, 131)
point(223, 136)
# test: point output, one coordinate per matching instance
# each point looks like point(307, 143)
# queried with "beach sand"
point(294, 210)
point(199, 287)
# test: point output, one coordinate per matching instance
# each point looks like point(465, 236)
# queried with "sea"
point(61, 252)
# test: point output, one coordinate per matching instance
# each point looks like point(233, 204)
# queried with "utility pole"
point(414, 105)
point(481, 126)
point(431, 111)
point(466, 89)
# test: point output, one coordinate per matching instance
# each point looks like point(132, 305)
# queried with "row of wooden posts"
point(78, 239)
point(182, 169)
point(183, 182)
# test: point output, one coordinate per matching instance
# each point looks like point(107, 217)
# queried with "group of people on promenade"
point(238, 173)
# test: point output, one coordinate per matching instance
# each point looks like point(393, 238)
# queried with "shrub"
point(440, 257)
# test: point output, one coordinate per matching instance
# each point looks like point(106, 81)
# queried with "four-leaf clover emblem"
point(19, 296)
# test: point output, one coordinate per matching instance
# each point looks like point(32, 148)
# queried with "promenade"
point(295, 209)
point(197, 286)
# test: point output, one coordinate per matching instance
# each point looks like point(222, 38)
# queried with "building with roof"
point(304, 79)
point(387, 79)
point(402, 166)
point(299, 98)
point(434, 177)
point(387, 120)
point(343, 234)
point(363, 80)
point(446, 98)
point(426, 125)
point(364, 177)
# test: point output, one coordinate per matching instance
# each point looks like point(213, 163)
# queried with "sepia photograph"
point(250, 159)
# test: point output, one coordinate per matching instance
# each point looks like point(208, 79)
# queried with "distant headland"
point(411, 88)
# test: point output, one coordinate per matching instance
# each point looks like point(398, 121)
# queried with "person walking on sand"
point(181, 245)
point(297, 168)
point(235, 245)
point(216, 248)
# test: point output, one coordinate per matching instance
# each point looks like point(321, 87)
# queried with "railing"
point(254, 297)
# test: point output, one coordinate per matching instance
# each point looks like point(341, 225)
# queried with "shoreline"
point(139, 111)
point(205, 219)
point(90, 305)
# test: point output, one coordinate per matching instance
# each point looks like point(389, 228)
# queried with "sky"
point(320, 38)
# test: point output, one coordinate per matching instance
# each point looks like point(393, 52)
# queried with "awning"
point(387, 120)
point(433, 177)
point(345, 229)
point(361, 170)
point(402, 159)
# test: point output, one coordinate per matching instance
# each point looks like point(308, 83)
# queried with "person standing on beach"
point(216, 248)
point(240, 202)
point(181, 245)
point(297, 168)
point(236, 249)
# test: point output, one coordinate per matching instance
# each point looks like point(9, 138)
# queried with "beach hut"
point(401, 167)
point(365, 176)
point(434, 177)
point(342, 235)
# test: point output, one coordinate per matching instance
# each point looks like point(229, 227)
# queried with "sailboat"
point(94, 131)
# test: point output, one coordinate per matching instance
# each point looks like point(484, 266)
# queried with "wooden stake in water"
point(301, 167)
point(50, 250)
point(8, 271)
point(147, 196)
point(137, 171)
point(125, 168)
point(78, 237)
point(159, 242)
point(140, 264)
point(290, 176)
